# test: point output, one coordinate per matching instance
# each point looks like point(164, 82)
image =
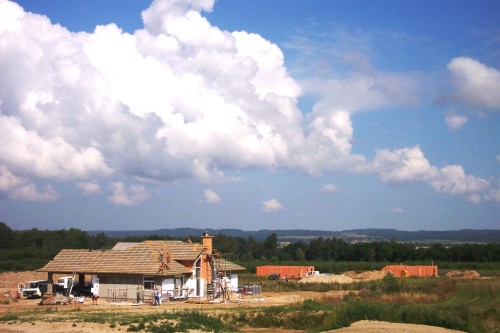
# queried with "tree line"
point(31, 249)
point(336, 249)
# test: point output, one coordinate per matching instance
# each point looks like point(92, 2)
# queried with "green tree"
point(300, 255)
point(383, 251)
point(6, 236)
point(247, 256)
point(313, 251)
point(271, 246)
point(255, 248)
point(100, 241)
point(225, 244)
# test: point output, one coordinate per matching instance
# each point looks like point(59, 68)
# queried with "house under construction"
point(411, 271)
point(293, 272)
point(179, 270)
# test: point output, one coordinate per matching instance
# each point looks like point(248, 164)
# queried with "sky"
point(251, 114)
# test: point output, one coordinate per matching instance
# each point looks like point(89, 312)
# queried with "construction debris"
point(7, 299)
point(55, 299)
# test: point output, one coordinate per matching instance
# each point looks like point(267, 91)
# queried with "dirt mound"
point(324, 278)
point(370, 326)
point(370, 275)
point(9, 280)
point(463, 275)
point(351, 274)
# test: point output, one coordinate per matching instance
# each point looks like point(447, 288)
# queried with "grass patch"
point(9, 317)
point(405, 297)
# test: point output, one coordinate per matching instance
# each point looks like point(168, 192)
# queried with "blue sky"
point(250, 114)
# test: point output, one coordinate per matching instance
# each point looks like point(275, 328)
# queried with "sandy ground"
point(364, 326)
point(8, 282)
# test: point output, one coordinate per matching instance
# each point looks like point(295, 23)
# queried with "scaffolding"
point(218, 285)
point(117, 294)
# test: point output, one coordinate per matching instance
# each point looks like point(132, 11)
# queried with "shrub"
point(390, 284)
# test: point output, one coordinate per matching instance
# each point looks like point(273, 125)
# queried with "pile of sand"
point(370, 275)
point(371, 326)
point(324, 278)
point(351, 274)
point(463, 275)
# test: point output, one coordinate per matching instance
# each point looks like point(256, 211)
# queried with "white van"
point(35, 289)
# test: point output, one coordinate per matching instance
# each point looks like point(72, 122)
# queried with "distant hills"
point(354, 235)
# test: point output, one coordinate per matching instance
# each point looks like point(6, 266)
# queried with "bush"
point(390, 284)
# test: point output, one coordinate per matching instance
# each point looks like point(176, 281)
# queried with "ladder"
point(70, 289)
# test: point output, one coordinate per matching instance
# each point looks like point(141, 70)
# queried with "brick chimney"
point(206, 241)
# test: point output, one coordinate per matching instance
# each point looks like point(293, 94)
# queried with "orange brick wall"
point(420, 271)
point(290, 271)
point(206, 270)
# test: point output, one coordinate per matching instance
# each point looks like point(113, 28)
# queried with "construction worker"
point(225, 292)
point(138, 292)
point(156, 296)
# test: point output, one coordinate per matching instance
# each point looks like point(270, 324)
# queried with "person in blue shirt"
point(156, 297)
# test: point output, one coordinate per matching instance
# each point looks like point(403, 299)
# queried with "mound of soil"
point(323, 278)
point(370, 326)
point(351, 274)
point(9, 280)
point(370, 275)
point(463, 275)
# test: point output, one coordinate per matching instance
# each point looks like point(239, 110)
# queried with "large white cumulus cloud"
point(410, 165)
point(166, 102)
point(477, 84)
point(475, 90)
point(177, 99)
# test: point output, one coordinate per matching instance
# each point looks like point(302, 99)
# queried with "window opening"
point(149, 282)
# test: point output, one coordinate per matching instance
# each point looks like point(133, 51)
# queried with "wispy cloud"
point(397, 210)
point(329, 188)
point(455, 121)
point(89, 188)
